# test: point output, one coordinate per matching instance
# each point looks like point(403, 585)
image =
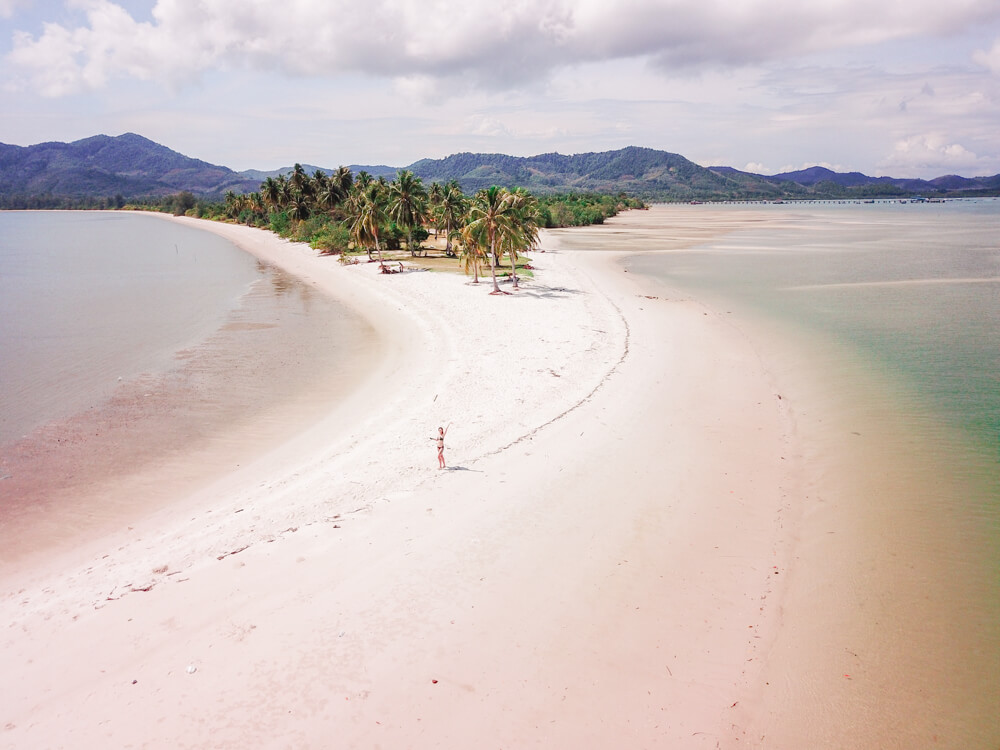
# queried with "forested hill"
point(105, 171)
point(638, 171)
point(126, 166)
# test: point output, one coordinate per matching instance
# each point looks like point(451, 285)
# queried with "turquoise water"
point(88, 298)
point(915, 288)
point(882, 321)
point(901, 306)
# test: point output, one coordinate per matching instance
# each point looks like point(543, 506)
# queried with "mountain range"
point(129, 167)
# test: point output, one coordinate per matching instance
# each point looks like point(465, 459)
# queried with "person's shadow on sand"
point(462, 468)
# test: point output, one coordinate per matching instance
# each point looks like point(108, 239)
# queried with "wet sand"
point(888, 625)
point(284, 353)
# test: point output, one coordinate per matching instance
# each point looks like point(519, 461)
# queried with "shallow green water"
point(901, 306)
point(884, 320)
point(914, 289)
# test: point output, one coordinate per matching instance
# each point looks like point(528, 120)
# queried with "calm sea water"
point(141, 358)
point(898, 306)
point(88, 298)
point(914, 289)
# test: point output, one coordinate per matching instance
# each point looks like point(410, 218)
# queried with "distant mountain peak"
point(132, 165)
point(103, 165)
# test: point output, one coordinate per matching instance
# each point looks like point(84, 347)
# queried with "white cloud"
point(484, 125)
point(9, 7)
point(933, 151)
point(729, 82)
point(990, 58)
point(493, 44)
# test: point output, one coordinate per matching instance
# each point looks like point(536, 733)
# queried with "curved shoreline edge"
point(604, 563)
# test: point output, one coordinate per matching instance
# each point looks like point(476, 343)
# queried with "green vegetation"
point(105, 172)
point(349, 215)
point(48, 201)
point(577, 210)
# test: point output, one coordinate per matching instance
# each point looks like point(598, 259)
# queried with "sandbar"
point(603, 563)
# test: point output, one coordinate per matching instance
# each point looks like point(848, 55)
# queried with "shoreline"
point(345, 571)
point(223, 399)
point(606, 563)
point(406, 347)
point(887, 630)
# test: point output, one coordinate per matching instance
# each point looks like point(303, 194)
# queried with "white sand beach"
point(603, 564)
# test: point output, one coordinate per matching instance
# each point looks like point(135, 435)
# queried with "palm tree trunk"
point(493, 269)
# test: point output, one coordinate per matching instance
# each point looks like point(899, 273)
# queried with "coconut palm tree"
point(232, 204)
point(298, 179)
point(408, 204)
point(369, 214)
point(523, 229)
point(254, 206)
point(343, 179)
point(451, 212)
point(285, 191)
point(473, 252)
point(330, 194)
point(491, 214)
point(299, 206)
point(363, 180)
point(434, 195)
point(270, 191)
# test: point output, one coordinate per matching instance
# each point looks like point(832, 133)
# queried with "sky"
point(900, 88)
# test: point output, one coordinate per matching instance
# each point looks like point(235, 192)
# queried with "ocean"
point(139, 358)
point(88, 298)
point(879, 324)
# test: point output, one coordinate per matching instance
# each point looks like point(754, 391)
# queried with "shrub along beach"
point(347, 214)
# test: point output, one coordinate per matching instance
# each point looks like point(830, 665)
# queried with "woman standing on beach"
point(442, 431)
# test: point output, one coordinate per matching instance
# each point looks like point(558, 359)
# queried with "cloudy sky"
point(908, 88)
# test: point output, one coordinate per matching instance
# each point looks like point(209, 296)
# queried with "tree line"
point(346, 213)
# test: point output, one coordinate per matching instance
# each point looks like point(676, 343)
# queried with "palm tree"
point(472, 250)
point(298, 206)
point(435, 193)
point(270, 191)
point(232, 204)
point(523, 230)
point(284, 191)
point(342, 179)
point(329, 193)
point(491, 214)
point(356, 195)
point(434, 196)
point(369, 216)
point(298, 179)
point(363, 180)
point(451, 211)
point(407, 204)
point(254, 204)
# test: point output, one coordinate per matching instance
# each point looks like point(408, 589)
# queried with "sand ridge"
point(598, 567)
